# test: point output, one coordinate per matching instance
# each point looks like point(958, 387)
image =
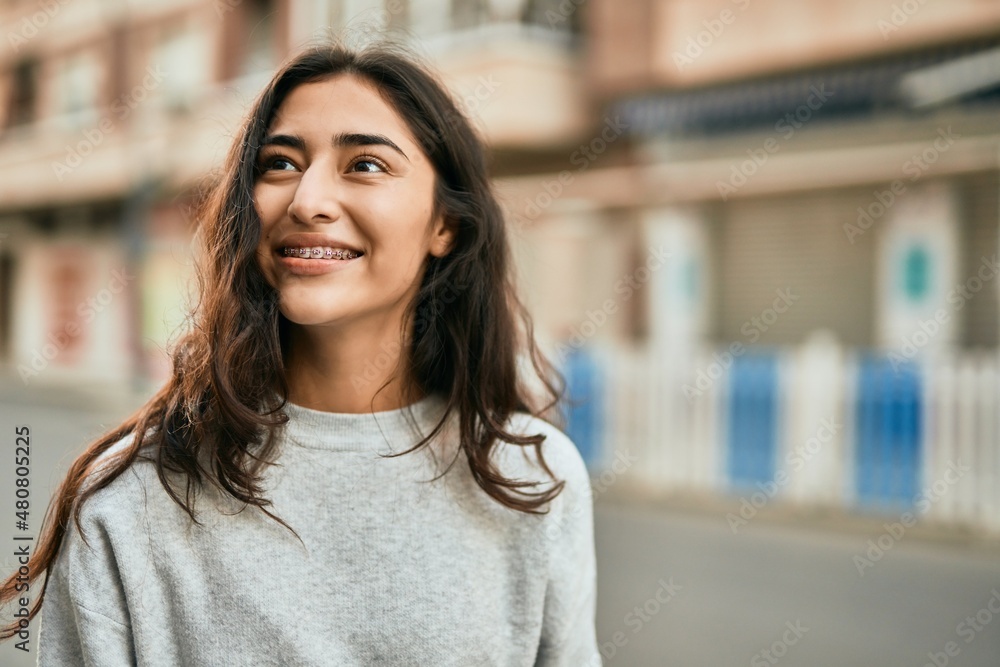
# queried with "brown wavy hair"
point(469, 336)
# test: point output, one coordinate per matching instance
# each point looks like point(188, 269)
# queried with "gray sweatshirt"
point(394, 570)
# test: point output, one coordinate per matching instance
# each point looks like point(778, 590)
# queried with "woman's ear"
point(443, 235)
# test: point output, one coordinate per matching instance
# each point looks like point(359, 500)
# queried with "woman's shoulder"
point(558, 451)
point(127, 490)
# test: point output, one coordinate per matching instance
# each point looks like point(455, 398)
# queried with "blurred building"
point(760, 236)
point(114, 113)
point(823, 177)
point(847, 149)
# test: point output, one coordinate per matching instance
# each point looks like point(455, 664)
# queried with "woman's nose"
point(315, 198)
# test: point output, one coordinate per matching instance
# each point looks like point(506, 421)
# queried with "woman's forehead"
point(343, 103)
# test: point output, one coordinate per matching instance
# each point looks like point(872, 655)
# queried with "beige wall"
point(648, 43)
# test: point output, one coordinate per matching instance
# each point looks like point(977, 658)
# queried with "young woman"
point(353, 364)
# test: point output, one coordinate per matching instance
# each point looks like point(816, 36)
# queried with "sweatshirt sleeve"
point(84, 620)
point(568, 631)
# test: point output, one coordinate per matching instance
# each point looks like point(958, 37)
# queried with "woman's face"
point(339, 170)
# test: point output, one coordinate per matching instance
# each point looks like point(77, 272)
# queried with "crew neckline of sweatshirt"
point(362, 431)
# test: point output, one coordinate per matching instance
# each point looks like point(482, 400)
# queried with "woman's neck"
point(345, 374)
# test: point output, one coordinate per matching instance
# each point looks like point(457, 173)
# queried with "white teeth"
point(320, 252)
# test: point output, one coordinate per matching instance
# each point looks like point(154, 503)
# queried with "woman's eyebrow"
point(289, 140)
point(341, 139)
point(362, 139)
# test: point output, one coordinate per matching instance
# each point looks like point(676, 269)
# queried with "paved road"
point(791, 590)
point(705, 596)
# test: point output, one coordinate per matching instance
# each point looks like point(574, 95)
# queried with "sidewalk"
point(736, 595)
point(627, 492)
point(49, 393)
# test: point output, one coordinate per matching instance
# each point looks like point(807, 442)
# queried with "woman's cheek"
point(268, 204)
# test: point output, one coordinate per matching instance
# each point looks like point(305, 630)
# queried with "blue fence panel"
point(752, 432)
point(583, 410)
point(888, 433)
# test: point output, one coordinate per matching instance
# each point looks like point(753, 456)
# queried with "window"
point(261, 23)
point(7, 273)
point(76, 91)
point(916, 274)
point(468, 13)
point(23, 102)
point(554, 14)
point(183, 53)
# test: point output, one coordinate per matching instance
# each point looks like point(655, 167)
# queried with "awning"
point(965, 73)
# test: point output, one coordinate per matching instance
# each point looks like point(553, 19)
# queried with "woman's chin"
point(306, 316)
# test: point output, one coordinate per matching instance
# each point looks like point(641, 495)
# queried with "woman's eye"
point(279, 163)
point(275, 162)
point(369, 165)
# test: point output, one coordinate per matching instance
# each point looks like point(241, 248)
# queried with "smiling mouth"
point(320, 252)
